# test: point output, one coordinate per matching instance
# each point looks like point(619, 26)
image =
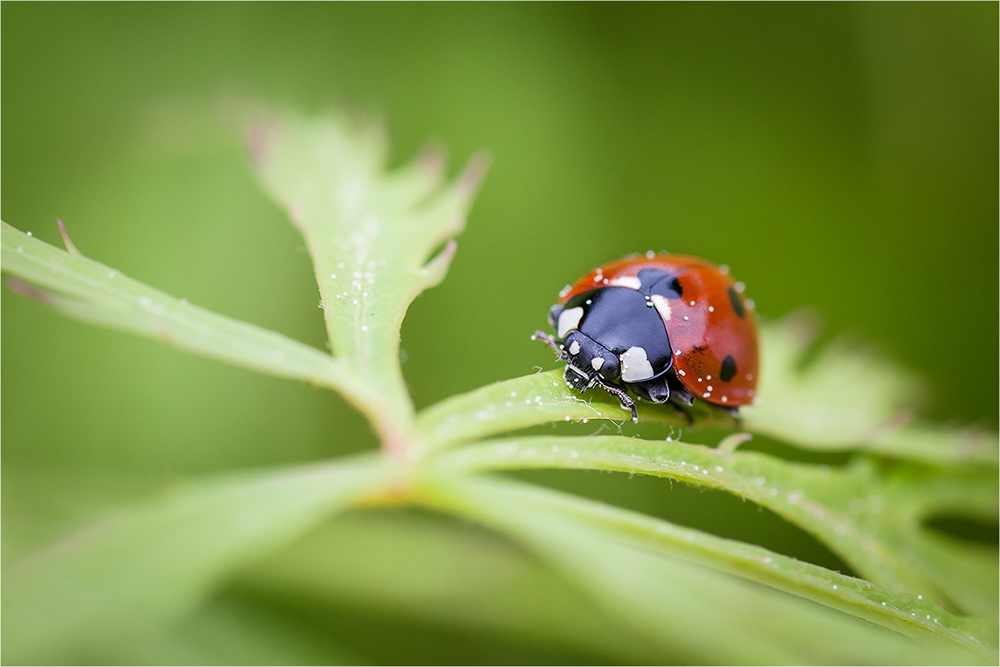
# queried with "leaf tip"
point(474, 173)
point(432, 158)
point(257, 139)
point(436, 269)
point(70, 246)
point(29, 291)
point(729, 444)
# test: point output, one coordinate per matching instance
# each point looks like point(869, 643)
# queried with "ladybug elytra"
point(665, 327)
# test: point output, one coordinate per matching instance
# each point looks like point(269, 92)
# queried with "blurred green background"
point(839, 157)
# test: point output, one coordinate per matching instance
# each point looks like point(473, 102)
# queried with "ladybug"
point(665, 327)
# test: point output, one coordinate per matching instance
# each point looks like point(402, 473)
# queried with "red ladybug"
point(667, 327)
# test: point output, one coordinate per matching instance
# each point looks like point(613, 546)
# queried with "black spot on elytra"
point(734, 297)
point(658, 281)
point(675, 285)
point(728, 368)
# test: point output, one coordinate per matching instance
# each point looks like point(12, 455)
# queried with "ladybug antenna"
point(551, 342)
point(626, 400)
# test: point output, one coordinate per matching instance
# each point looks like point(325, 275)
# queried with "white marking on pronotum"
point(662, 306)
point(574, 347)
point(635, 365)
point(711, 309)
point(569, 319)
point(597, 362)
point(626, 281)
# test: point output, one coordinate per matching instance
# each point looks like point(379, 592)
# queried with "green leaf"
point(154, 563)
point(227, 632)
point(648, 591)
point(372, 235)
point(684, 611)
point(841, 399)
point(87, 290)
point(377, 238)
point(871, 517)
point(429, 568)
point(849, 397)
point(536, 399)
point(44, 503)
point(936, 445)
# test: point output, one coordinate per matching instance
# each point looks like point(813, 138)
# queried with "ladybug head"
point(586, 358)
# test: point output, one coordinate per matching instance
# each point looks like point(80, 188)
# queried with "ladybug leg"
point(551, 342)
point(680, 398)
point(679, 393)
point(656, 390)
point(627, 401)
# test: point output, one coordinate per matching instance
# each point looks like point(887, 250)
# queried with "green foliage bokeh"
point(841, 157)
